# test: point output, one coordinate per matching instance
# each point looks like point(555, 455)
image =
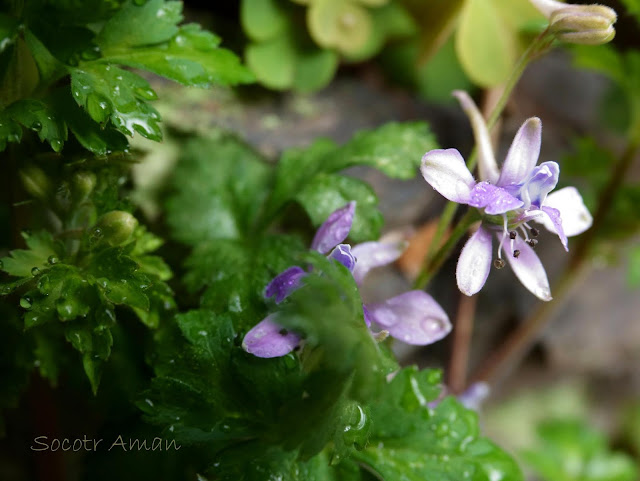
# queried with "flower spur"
point(508, 199)
point(413, 317)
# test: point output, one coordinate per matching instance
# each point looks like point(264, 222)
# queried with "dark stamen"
point(532, 242)
point(516, 253)
point(535, 232)
point(283, 332)
point(498, 263)
point(512, 234)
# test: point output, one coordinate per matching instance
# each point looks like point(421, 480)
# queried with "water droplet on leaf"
point(35, 272)
point(52, 260)
point(26, 302)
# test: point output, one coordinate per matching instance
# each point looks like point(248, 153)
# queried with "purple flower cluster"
point(413, 317)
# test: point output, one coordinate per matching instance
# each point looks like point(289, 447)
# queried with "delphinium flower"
point(509, 199)
point(413, 317)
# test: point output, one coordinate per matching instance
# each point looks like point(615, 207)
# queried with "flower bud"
point(83, 184)
point(589, 24)
point(116, 227)
point(36, 182)
point(584, 24)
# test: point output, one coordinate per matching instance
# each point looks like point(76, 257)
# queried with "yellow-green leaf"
point(485, 45)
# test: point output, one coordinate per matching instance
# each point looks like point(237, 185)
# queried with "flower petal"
point(284, 283)
point(495, 200)
point(473, 396)
point(547, 7)
point(474, 262)
point(268, 339)
point(487, 166)
point(447, 173)
point(575, 216)
point(554, 216)
point(542, 180)
point(413, 317)
point(335, 229)
point(375, 254)
point(367, 316)
point(342, 253)
point(529, 270)
point(523, 153)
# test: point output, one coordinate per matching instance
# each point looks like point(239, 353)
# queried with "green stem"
point(509, 355)
point(443, 253)
point(535, 49)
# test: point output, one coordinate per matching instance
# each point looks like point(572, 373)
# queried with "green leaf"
point(191, 57)
point(263, 19)
point(486, 46)
point(99, 140)
point(395, 149)
point(234, 274)
point(220, 185)
point(328, 192)
point(314, 69)
point(136, 25)
point(117, 277)
point(570, 450)
point(414, 442)
point(34, 115)
point(110, 93)
point(291, 60)
point(21, 262)
point(273, 62)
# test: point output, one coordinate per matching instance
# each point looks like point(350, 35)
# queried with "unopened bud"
point(116, 227)
point(585, 24)
point(83, 184)
point(35, 182)
point(588, 24)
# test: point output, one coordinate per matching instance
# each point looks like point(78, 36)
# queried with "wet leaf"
point(328, 192)
point(220, 184)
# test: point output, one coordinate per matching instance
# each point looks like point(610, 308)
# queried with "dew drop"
point(35, 272)
point(37, 126)
point(52, 260)
point(26, 302)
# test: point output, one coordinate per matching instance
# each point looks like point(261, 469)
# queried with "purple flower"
point(413, 317)
point(509, 199)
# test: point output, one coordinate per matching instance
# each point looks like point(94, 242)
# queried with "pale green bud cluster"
point(584, 24)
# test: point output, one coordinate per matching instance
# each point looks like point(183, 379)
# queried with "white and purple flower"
point(509, 199)
point(413, 317)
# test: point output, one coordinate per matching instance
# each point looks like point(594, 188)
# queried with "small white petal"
point(370, 255)
point(547, 7)
point(487, 166)
point(575, 216)
point(474, 262)
point(447, 173)
point(529, 270)
point(523, 153)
